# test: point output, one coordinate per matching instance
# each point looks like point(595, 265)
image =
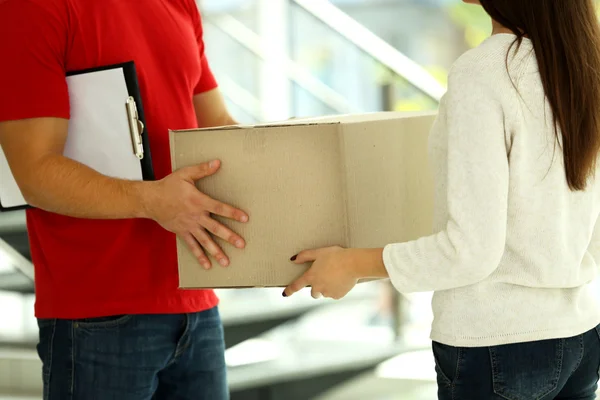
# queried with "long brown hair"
point(566, 39)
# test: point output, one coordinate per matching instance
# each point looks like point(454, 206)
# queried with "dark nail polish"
point(283, 294)
point(294, 258)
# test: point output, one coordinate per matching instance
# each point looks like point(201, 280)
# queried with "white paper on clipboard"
point(99, 133)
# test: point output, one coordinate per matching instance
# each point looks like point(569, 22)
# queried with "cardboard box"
point(355, 181)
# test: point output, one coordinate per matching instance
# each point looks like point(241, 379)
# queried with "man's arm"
point(52, 182)
point(34, 109)
point(211, 110)
point(49, 181)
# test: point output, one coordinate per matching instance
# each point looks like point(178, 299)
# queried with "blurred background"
point(276, 59)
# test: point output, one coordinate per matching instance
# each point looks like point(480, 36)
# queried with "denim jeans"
point(561, 369)
point(134, 357)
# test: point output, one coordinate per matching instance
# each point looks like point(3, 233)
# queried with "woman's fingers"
point(296, 286)
point(305, 256)
point(316, 294)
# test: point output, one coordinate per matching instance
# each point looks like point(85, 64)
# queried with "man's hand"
point(179, 207)
point(54, 183)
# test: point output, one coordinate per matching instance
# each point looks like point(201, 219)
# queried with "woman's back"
point(513, 260)
point(538, 284)
point(549, 225)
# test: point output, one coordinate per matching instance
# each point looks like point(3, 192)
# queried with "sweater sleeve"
point(594, 247)
point(471, 246)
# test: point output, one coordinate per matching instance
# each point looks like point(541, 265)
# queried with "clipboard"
point(107, 129)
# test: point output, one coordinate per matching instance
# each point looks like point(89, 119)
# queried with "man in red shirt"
point(113, 324)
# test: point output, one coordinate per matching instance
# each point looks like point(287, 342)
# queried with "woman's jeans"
point(561, 369)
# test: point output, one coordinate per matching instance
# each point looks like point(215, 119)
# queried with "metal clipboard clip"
point(136, 127)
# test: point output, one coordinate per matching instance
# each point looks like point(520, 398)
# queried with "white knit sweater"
point(515, 258)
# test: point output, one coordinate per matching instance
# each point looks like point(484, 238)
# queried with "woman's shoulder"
point(486, 62)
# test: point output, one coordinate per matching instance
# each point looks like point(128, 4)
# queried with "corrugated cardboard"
point(355, 181)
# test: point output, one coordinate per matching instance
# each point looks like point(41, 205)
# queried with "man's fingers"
point(296, 286)
point(225, 210)
point(197, 251)
point(197, 172)
point(220, 230)
point(305, 256)
point(207, 242)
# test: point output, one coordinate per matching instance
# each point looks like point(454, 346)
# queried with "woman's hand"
point(335, 270)
point(330, 275)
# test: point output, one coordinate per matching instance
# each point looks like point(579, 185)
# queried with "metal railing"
point(342, 24)
point(241, 97)
point(11, 259)
point(373, 45)
point(12, 222)
point(251, 41)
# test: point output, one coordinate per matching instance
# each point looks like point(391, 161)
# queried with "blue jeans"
point(134, 357)
point(562, 369)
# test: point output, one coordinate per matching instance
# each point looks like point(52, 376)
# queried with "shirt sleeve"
point(207, 80)
point(32, 67)
point(472, 244)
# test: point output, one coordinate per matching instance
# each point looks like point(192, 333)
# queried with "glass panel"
point(239, 113)
point(365, 83)
point(305, 104)
point(244, 11)
point(231, 59)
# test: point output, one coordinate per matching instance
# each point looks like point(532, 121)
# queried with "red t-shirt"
point(91, 268)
